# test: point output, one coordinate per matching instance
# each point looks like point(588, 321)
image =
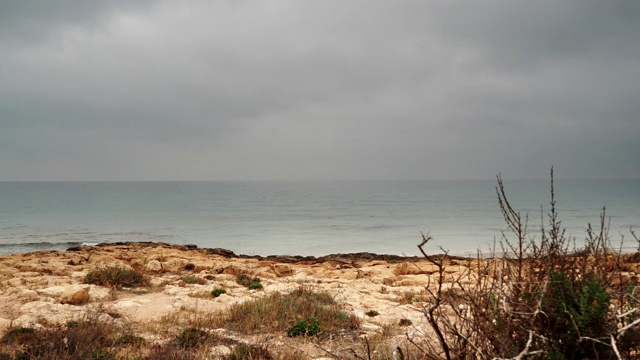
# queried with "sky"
point(318, 89)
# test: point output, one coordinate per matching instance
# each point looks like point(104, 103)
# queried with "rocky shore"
point(48, 287)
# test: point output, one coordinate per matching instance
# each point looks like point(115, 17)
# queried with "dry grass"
point(115, 276)
point(276, 313)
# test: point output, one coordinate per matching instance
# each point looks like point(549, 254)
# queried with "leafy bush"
point(217, 292)
point(306, 327)
point(249, 282)
point(116, 276)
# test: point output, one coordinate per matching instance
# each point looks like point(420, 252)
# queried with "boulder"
point(74, 295)
point(154, 265)
point(282, 270)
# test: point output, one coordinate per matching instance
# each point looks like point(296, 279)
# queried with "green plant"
point(116, 276)
point(306, 327)
point(217, 292)
point(405, 322)
point(254, 283)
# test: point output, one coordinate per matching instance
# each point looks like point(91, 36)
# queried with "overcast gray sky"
point(253, 90)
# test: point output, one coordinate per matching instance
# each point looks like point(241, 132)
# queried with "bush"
point(116, 276)
point(248, 282)
point(307, 327)
point(217, 292)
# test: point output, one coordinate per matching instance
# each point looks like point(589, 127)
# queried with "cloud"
point(305, 90)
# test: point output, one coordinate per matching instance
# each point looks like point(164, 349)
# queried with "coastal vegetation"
point(538, 295)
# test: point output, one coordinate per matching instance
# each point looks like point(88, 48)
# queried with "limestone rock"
point(74, 295)
point(154, 265)
point(282, 270)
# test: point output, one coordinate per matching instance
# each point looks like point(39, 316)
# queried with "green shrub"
point(307, 327)
point(405, 322)
point(248, 282)
point(217, 292)
point(116, 276)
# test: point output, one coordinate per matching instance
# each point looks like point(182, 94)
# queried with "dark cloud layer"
point(121, 90)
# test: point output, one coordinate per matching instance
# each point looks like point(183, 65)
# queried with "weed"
point(405, 322)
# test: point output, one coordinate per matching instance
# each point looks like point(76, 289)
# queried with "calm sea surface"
point(300, 218)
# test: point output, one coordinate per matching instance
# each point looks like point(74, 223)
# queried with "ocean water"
point(302, 218)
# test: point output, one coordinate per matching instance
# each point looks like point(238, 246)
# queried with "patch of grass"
point(191, 338)
point(253, 352)
point(405, 322)
point(84, 339)
point(249, 282)
point(140, 292)
point(116, 276)
point(278, 312)
point(128, 339)
point(372, 313)
point(217, 292)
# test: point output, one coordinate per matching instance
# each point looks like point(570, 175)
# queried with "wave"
point(43, 244)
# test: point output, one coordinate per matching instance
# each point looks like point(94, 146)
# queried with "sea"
point(306, 217)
